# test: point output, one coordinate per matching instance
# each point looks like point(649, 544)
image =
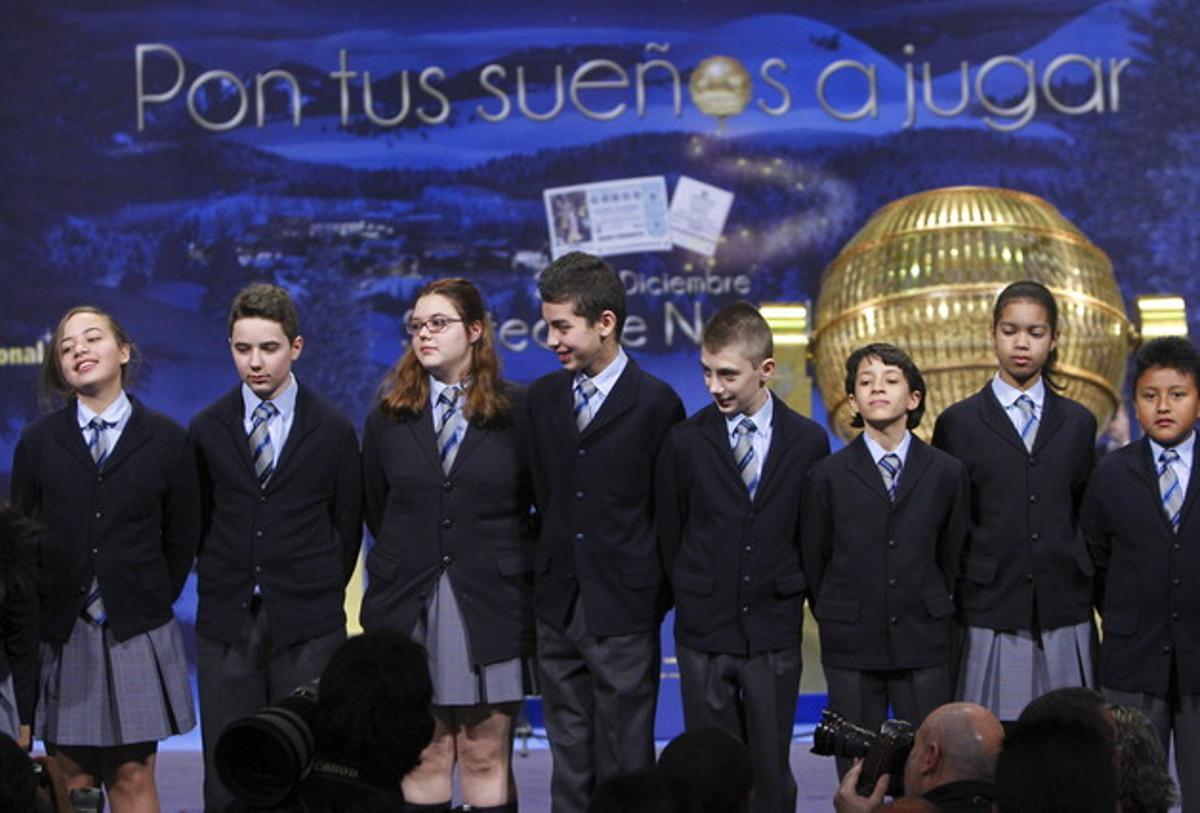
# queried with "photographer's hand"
point(25, 736)
point(847, 800)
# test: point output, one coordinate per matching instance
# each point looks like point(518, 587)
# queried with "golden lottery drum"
point(923, 274)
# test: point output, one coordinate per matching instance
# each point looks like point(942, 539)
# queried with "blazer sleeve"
point(19, 624)
point(182, 519)
point(374, 476)
point(671, 485)
point(23, 491)
point(1096, 528)
point(204, 485)
point(816, 532)
point(954, 531)
point(671, 414)
point(346, 507)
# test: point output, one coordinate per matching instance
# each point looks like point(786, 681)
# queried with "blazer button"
point(1175, 616)
point(447, 486)
point(579, 495)
point(1166, 649)
point(745, 609)
point(258, 534)
point(1032, 460)
point(1033, 498)
point(579, 536)
point(447, 522)
point(96, 551)
point(747, 579)
point(582, 452)
point(895, 619)
point(99, 478)
point(891, 583)
point(98, 515)
point(749, 549)
point(892, 543)
point(1176, 546)
point(262, 497)
point(1029, 577)
point(258, 568)
point(1034, 537)
point(447, 559)
point(1175, 582)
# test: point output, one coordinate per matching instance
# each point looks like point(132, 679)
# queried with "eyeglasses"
point(435, 324)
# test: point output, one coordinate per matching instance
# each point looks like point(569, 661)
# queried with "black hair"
point(374, 704)
point(1172, 352)
point(643, 791)
point(713, 765)
point(587, 281)
point(1054, 764)
point(1031, 291)
point(18, 790)
point(892, 356)
point(739, 323)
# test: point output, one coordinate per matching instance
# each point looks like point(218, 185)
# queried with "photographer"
point(952, 763)
point(370, 721)
point(30, 784)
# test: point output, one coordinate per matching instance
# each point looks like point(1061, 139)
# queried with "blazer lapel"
point(715, 430)
point(305, 421)
point(860, 464)
point(232, 416)
point(421, 427)
point(1052, 417)
point(620, 399)
point(916, 463)
point(996, 419)
point(68, 434)
point(136, 432)
point(780, 438)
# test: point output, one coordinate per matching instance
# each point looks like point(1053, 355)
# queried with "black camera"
point(883, 752)
point(263, 757)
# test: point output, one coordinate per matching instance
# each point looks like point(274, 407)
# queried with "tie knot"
point(586, 387)
point(1025, 404)
point(746, 427)
point(1168, 456)
point(449, 396)
point(99, 424)
point(265, 411)
point(891, 462)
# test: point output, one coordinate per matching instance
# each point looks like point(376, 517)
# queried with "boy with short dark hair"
point(729, 495)
point(595, 428)
point(1143, 531)
point(282, 522)
point(885, 519)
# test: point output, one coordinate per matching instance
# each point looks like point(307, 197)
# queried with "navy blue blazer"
point(473, 524)
point(19, 655)
point(595, 494)
point(1147, 575)
point(133, 525)
point(882, 574)
point(1026, 563)
point(298, 538)
point(733, 563)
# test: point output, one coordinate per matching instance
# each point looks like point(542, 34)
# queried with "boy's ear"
point(766, 369)
point(914, 399)
point(607, 323)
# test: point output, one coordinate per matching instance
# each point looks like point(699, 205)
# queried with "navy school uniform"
point(1148, 594)
point(882, 575)
point(471, 526)
point(599, 591)
point(733, 563)
point(274, 560)
point(132, 526)
point(1026, 584)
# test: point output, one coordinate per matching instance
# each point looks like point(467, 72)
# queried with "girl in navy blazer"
point(1025, 595)
point(114, 486)
point(448, 502)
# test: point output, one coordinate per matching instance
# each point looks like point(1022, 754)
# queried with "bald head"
point(957, 741)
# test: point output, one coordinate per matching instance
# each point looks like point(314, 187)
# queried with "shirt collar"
point(436, 388)
point(877, 451)
point(1186, 449)
point(285, 402)
point(117, 412)
point(607, 378)
point(1007, 394)
point(762, 419)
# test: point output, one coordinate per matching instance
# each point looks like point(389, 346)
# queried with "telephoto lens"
point(883, 752)
point(262, 758)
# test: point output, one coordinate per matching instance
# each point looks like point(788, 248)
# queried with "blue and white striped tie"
point(585, 388)
point(93, 605)
point(1029, 420)
point(889, 467)
point(447, 438)
point(1170, 487)
point(743, 454)
point(261, 452)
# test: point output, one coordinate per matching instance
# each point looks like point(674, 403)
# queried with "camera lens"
point(260, 758)
point(835, 737)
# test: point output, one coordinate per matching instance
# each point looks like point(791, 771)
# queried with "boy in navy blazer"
point(1143, 530)
point(884, 525)
point(728, 504)
point(595, 429)
point(281, 484)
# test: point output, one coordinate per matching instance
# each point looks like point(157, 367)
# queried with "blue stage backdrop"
point(157, 156)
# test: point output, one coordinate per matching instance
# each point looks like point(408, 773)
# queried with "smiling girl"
point(114, 486)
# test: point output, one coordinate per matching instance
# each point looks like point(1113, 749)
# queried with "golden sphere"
point(923, 274)
point(720, 86)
